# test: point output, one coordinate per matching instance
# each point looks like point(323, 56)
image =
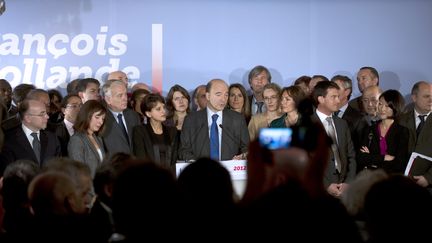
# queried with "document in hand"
point(412, 161)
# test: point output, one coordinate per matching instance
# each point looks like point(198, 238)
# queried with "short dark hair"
point(373, 71)
point(303, 79)
point(321, 89)
point(82, 84)
point(416, 87)
point(150, 102)
point(65, 100)
point(71, 87)
point(85, 114)
point(20, 92)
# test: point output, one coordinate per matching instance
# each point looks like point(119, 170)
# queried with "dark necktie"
point(214, 139)
point(36, 145)
point(421, 124)
point(259, 106)
point(332, 133)
point(122, 125)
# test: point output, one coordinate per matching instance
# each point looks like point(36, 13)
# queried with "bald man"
point(119, 75)
point(233, 135)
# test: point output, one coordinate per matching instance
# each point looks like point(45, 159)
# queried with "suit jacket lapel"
point(92, 147)
point(44, 144)
point(341, 141)
point(22, 139)
point(116, 127)
point(204, 137)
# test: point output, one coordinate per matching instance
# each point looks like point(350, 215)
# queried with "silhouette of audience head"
point(206, 184)
point(147, 194)
point(54, 193)
point(80, 175)
point(16, 179)
point(392, 210)
point(353, 198)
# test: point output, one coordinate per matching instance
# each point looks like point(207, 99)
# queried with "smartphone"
point(275, 138)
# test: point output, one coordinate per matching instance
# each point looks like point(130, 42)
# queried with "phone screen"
point(275, 138)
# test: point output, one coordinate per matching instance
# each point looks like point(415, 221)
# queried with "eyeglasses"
point(42, 114)
point(367, 101)
point(268, 99)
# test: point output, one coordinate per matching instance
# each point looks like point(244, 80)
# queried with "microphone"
point(228, 133)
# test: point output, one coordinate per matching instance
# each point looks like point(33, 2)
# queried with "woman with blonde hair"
point(271, 94)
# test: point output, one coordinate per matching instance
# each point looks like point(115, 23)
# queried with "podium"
point(236, 168)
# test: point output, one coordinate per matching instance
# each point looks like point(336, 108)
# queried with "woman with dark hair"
point(177, 104)
point(385, 144)
point(238, 100)
point(85, 145)
point(154, 140)
point(289, 102)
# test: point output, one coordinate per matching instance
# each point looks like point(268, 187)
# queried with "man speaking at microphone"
point(215, 132)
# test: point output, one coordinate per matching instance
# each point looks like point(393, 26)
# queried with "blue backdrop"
point(50, 42)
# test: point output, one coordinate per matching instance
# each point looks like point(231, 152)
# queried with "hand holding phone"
point(275, 138)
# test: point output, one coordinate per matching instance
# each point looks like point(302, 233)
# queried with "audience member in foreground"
point(145, 204)
point(287, 186)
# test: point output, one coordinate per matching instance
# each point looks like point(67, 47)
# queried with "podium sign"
point(236, 168)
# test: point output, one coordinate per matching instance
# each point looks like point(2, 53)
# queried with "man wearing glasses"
point(70, 106)
point(29, 141)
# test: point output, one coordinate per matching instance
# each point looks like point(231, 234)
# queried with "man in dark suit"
point(341, 169)
point(366, 76)
point(259, 76)
point(29, 141)
point(231, 126)
point(119, 121)
point(420, 133)
point(70, 106)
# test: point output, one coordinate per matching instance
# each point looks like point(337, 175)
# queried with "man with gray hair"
point(120, 120)
point(258, 77)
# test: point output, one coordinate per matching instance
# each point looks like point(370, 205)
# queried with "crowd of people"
point(99, 163)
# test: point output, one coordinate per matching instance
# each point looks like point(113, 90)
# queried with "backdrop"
point(189, 42)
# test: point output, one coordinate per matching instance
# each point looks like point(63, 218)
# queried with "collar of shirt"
point(417, 119)
point(27, 132)
point(210, 114)
point(417, 114)
point(342, 110)
point(69, 127)
point(322, 116)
